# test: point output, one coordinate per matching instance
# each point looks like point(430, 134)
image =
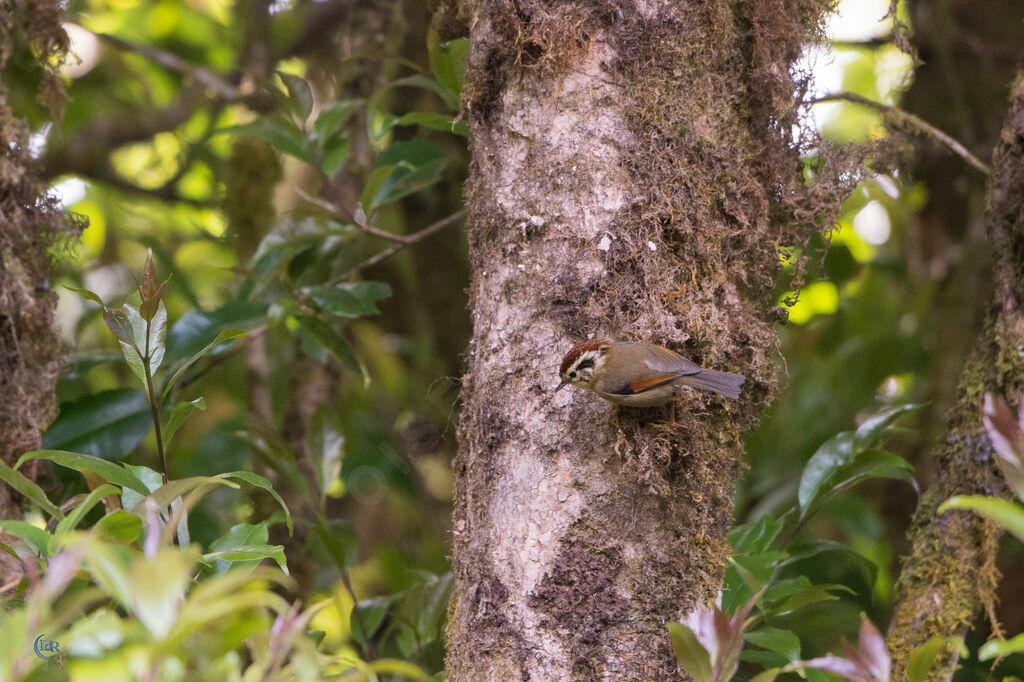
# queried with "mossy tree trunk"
point(31, 224)
point(950, 573)
point(634, 176)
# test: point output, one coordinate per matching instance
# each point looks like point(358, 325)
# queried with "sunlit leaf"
point(108, 471)
point(325, 447)
point(239, 535)
point(179, 414)
point(1009, 515)
point(692, 656)
point(39, 537)
point(782, 642)
point(923, 658)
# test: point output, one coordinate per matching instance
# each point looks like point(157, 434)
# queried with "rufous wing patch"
point(649, 382)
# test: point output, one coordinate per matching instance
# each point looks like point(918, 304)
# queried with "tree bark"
point(634, 176)
point(950, 573)
point(31, 224)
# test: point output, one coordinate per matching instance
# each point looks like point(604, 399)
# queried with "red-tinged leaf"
point(837, 665)
point(873, 650)
point(1007, 440)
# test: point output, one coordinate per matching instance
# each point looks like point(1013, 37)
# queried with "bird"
point(639, 374)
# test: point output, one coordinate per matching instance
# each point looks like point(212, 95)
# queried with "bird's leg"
point(672, 414)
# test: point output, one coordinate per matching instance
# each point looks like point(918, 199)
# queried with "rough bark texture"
point(634, 176)
point(950, 573)
point(30, 225)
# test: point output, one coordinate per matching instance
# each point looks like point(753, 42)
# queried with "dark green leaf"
point(178, 416)
point(334, 156)
point(280, 133)
point(339, 540)
point(870, 433)
point(197, 329)
point(108, 471)
point(225, 335)
point(780, 641)
point(338, 347)
point(369, 614)
point(110, 424)
point(830, 456)
point(29, 489)
point(443, 122)
point(350, 299)
point(755, 537)
point(333, 116)
point(120, 326)
point(414, 165)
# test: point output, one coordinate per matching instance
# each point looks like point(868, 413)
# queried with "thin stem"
point(407, 241)
point(154, 408)
point(371, 651)
point(910, 119)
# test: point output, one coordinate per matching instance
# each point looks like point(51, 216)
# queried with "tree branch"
point(407, 240)
point(911, 120)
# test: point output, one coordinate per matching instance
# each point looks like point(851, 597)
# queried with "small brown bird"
point(639, 374)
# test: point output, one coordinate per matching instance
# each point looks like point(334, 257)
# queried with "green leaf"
point(170, 491)
point(434, 121)
point(75, 516)
point(250, 553)
point(369, 614)
point(120, 326)
point(350, 299)
point(300, 95)
point(755, 537)
point(110, 424)
point(335, 154)
point(325, 447)
point(811, 595)
point(239, 535)
point(767, 676)
point(330, 340)
point(998, 648)
point(873, 430)
point(291, 236)
point(108, 471)
point(279, 132)
point(179, 414)
point(260, 482)
point(690, 652)
point(923, 658)
point(196, 329)
point(333, 116)
point(108, 566)
point(152, 481)
point(339, 540)
point(871, 464)
point(158, 586)
point(411, 166)
point(119, 526)
point(448, 63)
point(225, 335)
point(88, 294)
point(29, 489)
point(780, 641)
point(1009, 515)
point(39, 537)
point(832, 454)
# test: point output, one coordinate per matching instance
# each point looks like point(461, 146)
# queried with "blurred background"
point(252, 204)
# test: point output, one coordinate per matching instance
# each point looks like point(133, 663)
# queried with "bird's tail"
point(726, 383)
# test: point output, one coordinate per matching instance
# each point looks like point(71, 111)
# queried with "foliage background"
point(183, 134)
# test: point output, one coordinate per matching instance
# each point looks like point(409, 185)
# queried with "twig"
point(906, 117)
point(409, 240)
point(171, 61)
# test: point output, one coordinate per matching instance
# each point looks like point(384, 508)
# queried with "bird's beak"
point(560, 386)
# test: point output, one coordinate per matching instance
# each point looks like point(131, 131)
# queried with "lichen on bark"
point(636, 170)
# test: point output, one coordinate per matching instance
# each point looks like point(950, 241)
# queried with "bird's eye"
point(572, 375)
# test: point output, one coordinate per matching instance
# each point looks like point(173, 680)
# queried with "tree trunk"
point(30, 226)
point(634, 176)
point(950, 573)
